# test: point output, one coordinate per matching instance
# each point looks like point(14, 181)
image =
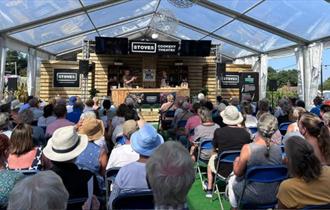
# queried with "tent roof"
point(241, 27)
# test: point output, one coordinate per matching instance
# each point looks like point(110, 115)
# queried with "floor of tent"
point(196, 196)
point(197, 199)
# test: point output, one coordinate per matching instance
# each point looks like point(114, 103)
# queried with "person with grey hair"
point(38, 134)
point(202, 132)
point(34, 107)
point(42, 191)
point(4, 124)
point(170, 173)
point(283, 110)
point(309, 181)
point(260, 152)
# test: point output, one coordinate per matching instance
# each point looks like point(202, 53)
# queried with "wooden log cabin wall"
point(201, 73)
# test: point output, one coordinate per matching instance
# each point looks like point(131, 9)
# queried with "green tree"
point(283, 77)
point(326, 84)
point(21, 62)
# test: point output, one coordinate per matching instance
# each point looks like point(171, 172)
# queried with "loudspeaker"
point(221, 68)
point(272, 84)
point(84, 67)
point(12, 84)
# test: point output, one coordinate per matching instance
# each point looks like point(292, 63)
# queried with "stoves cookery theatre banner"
point(169, 48)
point(66, 78)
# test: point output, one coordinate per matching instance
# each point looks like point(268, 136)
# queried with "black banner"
point(250, 86)
point(230, 80)
point(66, 78)
point(170, 48)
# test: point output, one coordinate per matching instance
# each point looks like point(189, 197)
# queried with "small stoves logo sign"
point(67, 77)
point(143, 47)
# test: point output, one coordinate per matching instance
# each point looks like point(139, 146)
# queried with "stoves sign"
point(66, 78)
point(154, 47)
point(230, 80)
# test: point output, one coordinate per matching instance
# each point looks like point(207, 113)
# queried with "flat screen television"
point(195, 48)
point(111, 45)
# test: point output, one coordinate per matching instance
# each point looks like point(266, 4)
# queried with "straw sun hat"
point(65, 144)
point(231, 116)
point(93, 128)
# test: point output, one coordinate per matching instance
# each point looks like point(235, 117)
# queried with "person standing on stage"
point(128, 79)
point(164, 80)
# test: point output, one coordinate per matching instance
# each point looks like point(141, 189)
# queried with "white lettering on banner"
point(66, 77)
point(143, 47)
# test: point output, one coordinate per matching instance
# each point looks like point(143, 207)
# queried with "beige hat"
point(65, 144)
point(231, 116)
point(93, 128)
point(129, 127)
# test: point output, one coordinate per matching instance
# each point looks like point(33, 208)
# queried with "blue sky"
point(290, 63)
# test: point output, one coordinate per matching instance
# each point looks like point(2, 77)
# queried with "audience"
point(317, 134)
point(309, 181)
point(8, 178)
point(263, 107)
point(89, 105)
point(80, 142)
point(123, 155)
point(132, 177)
point(170, 173)
point(61, 121)
point(317, 105)
point(72, 101)
point(42, 191)
point(34, 107)
point(38, 136)
point(62, 149)
point(193, 122)
point(250, 121)
point(75, 114)
point(94, 158)
point(23, 154)
point(231, 137)
point(203, 132)
point(47, 117)
point(260, 152)
point(169, 105)
point(4, 124)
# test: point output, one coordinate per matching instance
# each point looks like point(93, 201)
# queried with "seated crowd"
point(62, 150)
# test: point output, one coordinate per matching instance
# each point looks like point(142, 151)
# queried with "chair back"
point(28, 172)
point(120, 140)
point(325, 206)
point(284, 127)
point(76, 203)
point(169, 114)
point(112, 172)
point(206, 144)
point(110, 176)
point(266, 174)
point(134, 200)
point(253, 130)
point(228, 156)
point(182, 123)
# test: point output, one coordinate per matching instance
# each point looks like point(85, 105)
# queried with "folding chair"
point(263, 174)
point(203, 145)
point(181, 124)
point(325, 206)
point(134, 200)
point(109, 178)
point(253, 130)
point(76, 203)
point(226, 157)
point(166, 123)
point(120, 140)
point(284, 127)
